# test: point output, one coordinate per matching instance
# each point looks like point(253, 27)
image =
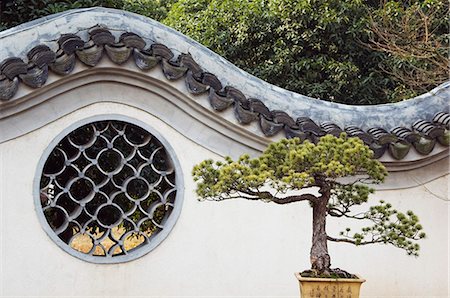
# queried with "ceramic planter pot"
point(329, 287)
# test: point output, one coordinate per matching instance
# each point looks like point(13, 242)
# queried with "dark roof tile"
point(8, 87)
point(399, 149)
point(307, 125)
point(211, 80)
point(172, 70)
point(118, 52)
point(355, 131)
point(295, 133)
point(187, 61)
point(90, 54)
point(64, 63)
point(283, 118)
point(193, 85)
point(269, 127)
point(35, 76)
point(69, 43)
point(101, 36)
point(378, 150)
point(259, 107)
point(237, 96)
point(443, 119)
point(144, 59)
point(382, 136)
point(331, 128)
point(218, 101)
point(41, 55)
point(12, 67)
point(243, 115)
point(422, 136)
point(132, 40)
point(162, 51)
point(429, 128)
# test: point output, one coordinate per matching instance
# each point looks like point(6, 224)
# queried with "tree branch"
point(353, 241)
point(336, 212)
point(267, 196)
point(291, 199)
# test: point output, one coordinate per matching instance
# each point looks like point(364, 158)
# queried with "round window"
point(108, 192)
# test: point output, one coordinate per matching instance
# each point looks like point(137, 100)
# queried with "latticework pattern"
point(108, 188)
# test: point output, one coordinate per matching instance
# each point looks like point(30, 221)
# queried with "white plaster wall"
point(227, 249)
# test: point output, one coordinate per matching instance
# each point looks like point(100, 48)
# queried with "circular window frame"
point(157, 239)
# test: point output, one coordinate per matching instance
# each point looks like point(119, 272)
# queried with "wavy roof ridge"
point(88, 34)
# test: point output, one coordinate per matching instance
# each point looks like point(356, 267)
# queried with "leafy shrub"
point(415, 38)
point(320, 48)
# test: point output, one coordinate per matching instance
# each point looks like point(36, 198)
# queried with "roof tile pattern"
point(422, 135)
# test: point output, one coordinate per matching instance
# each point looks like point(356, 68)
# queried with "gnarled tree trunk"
point(320, 259)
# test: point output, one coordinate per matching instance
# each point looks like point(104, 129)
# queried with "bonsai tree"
point(332, 176)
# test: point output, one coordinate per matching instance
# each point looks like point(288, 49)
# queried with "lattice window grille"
point(107, 189)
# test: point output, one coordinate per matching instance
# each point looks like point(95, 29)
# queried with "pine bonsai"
point(290, 165)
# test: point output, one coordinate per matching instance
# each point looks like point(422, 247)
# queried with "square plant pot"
point(329, 287)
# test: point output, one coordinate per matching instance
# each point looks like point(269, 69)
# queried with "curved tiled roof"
point(32, 69)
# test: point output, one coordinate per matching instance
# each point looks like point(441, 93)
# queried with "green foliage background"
point(320, 48)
